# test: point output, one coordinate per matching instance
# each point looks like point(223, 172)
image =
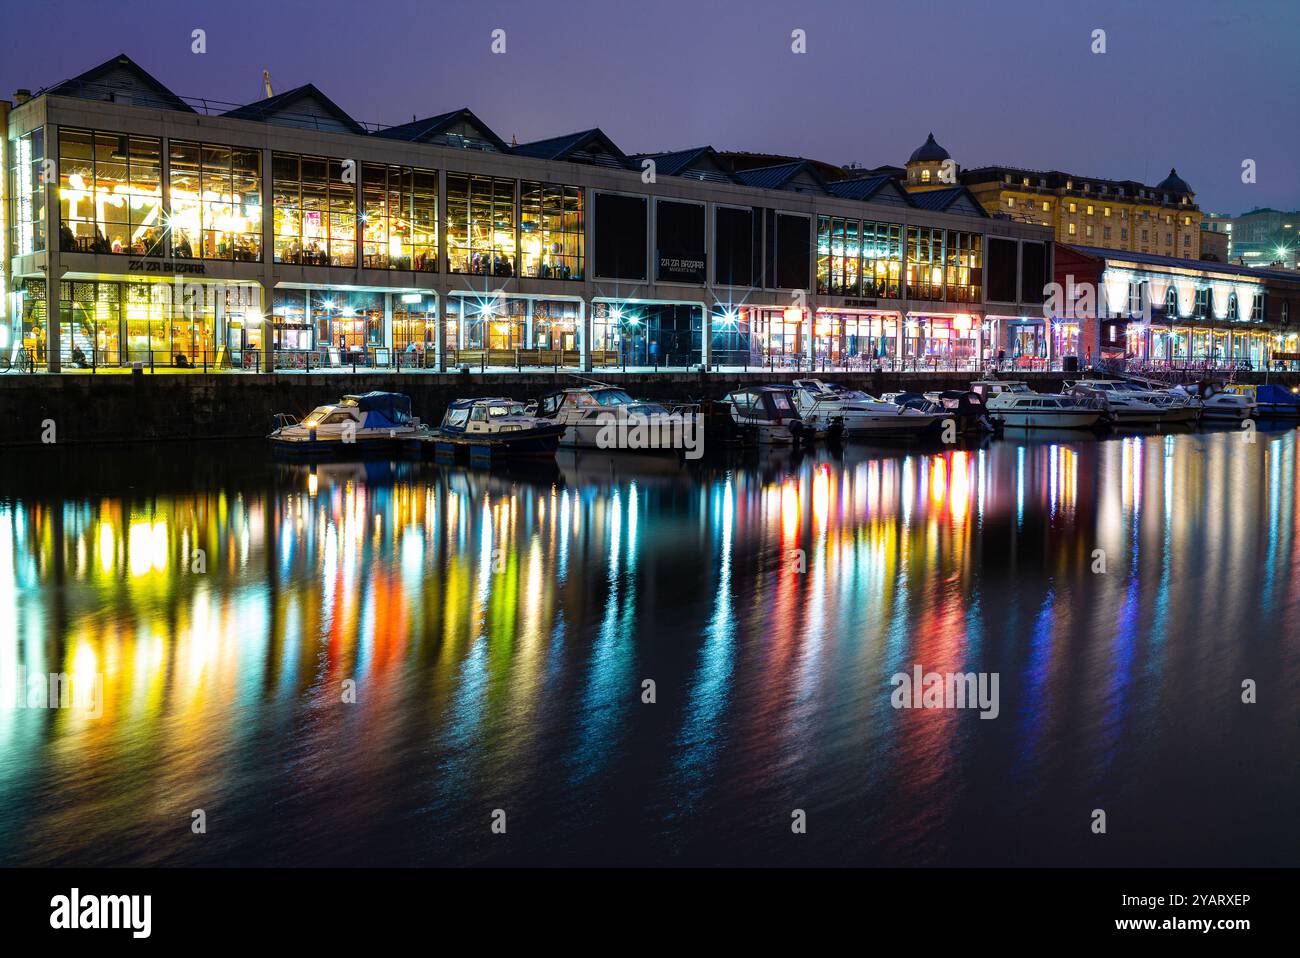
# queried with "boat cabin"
point(496, 414)
point(985, 388)
point(767, 403)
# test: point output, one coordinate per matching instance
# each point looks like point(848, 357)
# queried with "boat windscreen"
point(612, 397)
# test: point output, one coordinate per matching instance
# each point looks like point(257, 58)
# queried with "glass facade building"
point(436, 243)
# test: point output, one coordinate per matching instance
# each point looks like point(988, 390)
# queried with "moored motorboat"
point(494, 428)
point(858, 415)
point(1271, 400)
point(1217, 403)
point(365, 424)
point(767, 414)
point(1126, 405)
point(964, 407)
point(601, 416)
point(1012, 403)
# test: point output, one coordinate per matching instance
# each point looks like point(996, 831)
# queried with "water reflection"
point(496, 632)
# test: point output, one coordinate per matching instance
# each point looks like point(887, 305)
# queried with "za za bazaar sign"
point(164, 266)
point(688, 269)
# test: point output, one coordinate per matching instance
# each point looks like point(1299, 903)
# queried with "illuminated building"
point(1112, 214)
point(1168, 310)
point(285, 233)
point(1264, 237)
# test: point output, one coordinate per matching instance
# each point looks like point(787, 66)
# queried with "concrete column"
point(268, 265)
point(265, 306)
point(218, 321)
point(584, 333)
point(706, 330)
point(810, 330)
point(53, 261)
point(440, 333)
point(387, 336)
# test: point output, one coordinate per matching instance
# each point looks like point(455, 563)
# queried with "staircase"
point(70, 338)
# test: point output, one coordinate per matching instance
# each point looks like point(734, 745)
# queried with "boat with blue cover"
point(360, 425)
point(1271, 400)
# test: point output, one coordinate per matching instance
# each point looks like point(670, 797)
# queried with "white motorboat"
point(768, 415)
point(597, 413)
point(1013, 403)
point(1217, 403)
point(370, 422)
point(496, 428)
point(827, 407)
point(1127, 405)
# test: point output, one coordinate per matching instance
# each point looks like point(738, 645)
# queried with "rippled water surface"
point(499, 628)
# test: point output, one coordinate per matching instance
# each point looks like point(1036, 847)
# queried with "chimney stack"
point(22, 96)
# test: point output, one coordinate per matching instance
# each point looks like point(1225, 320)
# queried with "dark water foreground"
point(498, 629)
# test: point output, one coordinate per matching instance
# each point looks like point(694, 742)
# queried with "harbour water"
point(373, 664)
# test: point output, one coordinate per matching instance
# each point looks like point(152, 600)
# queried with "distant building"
point(1112, 214)
point(1216, 244)
point(1265, 237)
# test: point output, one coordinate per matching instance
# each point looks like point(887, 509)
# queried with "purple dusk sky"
point(1195, 84)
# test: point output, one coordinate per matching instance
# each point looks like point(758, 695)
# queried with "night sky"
point(1195, 84)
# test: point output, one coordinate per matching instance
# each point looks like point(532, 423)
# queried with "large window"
point(858, 258)
point(107, 324)
point(110, 193)
point(1002, 270)
point(838, 256)
point(399, 217)
point(947, 264)
point(793, 252)
point(552, 231)
point(480, 225)
point(620, 236)
point(215, 194)
point(734, 247)
point(924, 263)
point(315, 211)
point(963, 266)
point(1033, 272)
point(679, 241)
point(882, 260)
point(27, 193)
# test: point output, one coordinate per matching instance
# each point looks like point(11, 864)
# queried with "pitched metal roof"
point(92, 82)
point(863, 188)
point(571, 146)
point(776, 177)
point(939, 201)
point(421, 131)
point(279, 106)
point(679, 162)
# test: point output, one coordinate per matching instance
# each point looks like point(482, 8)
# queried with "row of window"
point(1203, 304)
point(332, 212)
point(1102, 189)
point(111, 197)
